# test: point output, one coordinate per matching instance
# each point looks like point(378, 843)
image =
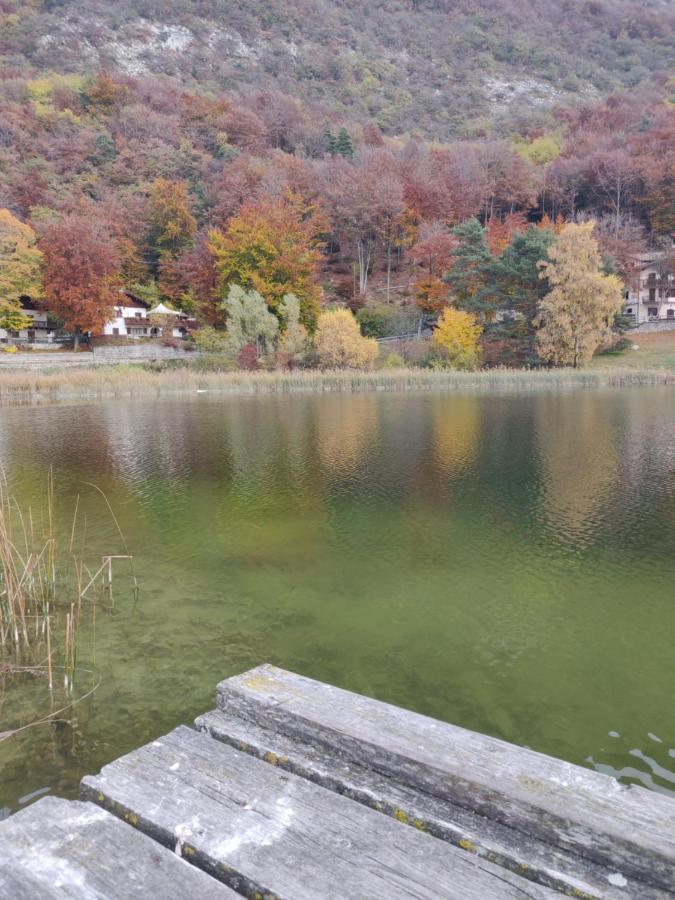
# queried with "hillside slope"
point(440, 67)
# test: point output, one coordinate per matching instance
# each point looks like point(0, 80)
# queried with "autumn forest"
point(282, 207)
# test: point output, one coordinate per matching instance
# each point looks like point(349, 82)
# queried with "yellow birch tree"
point(576, 315)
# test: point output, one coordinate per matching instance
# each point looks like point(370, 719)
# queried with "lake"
point(504, 562)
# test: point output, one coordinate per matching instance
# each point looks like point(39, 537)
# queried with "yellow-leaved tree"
point(339, 343)
point(456, 340)
point(272, 247)
point(20, 270)
point(576, 315)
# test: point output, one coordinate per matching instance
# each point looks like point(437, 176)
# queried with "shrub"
point(295, 339)
point(393, 361)
point(209, 340)
point(340, 344)
point(387, 321)
point(455, 340)
point(247, 358)
point(372, 321)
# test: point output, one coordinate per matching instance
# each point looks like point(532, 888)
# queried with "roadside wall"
point(101, 356)
point(660, 325)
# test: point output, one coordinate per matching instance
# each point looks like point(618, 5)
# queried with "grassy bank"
point(655, 350)
point(127, 381)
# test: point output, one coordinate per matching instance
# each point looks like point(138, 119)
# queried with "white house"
point(132, 319)
point(129, 319)
point(651, 295)
point(39, 332)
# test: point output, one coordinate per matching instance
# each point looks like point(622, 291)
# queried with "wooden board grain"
point(62, 849)
point(265, 831)
point(627, 829)
point(532, 859)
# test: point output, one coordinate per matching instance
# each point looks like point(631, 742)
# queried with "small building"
point(129, 318)
point(40, 331)
point(651, 294)
point(133, 318)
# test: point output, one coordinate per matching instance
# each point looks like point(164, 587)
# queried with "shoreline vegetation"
point(47, 591)
point(135, 380)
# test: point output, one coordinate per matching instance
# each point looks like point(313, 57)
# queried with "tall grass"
point(46, 588)
point(133, 380)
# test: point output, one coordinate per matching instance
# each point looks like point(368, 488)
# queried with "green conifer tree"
point(330, 139)
point(468, 268)
point(343, 145)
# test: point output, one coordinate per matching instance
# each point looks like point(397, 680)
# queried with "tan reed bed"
point(132, 380)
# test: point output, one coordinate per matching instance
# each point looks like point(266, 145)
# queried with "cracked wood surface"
point(66, 849)
point(528, 857)
point(627, 829)
point(262, 830)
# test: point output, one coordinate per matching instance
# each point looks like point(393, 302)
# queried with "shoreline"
point(129, 381)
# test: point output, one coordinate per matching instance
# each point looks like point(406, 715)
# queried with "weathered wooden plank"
point(58, 848)
point(263, 830)
point(532, 859)
point(626, 828)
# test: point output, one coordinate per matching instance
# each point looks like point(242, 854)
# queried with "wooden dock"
point(294, 789)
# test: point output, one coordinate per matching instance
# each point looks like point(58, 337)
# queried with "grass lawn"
point(656, 350)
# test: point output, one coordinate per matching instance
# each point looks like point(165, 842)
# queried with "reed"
point(136, 380)
point(45, 585)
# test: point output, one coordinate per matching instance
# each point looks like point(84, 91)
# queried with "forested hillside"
point(178, 148)
point(443, 67)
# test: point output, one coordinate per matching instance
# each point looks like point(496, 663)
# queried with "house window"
point(116, 332)
point(630, 310)
point(139, 315)
point(653, 311)
point(670, 314)
point(652, 295)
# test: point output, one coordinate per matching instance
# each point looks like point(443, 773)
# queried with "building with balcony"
point(133, 318)
point(40, 331)
point(651, 294)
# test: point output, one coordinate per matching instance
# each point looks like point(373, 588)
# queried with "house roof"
point(133, 300)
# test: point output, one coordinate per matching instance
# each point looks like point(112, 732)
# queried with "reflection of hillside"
point(578, 464)
point(648, 449)
point(347, 428)
point(456, 431)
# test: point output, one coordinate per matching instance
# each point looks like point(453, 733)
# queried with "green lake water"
point(505, 563)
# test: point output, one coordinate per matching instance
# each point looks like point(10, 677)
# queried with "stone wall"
point(658, 325)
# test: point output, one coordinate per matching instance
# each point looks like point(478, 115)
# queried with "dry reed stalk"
point(127, 381)
point(36, 583)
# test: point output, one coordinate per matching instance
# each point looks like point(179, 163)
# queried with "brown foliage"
point(82, 266)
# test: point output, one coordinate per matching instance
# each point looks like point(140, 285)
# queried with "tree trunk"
point(364, 253)
point(618, 209)
point(76, 339)
point(388, 269)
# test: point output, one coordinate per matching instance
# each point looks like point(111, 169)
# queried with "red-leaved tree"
point(82, 266)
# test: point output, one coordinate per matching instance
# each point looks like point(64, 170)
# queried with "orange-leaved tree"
point(433, 251)
point(81, 269)
point(272, 246)
point(172, 232)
